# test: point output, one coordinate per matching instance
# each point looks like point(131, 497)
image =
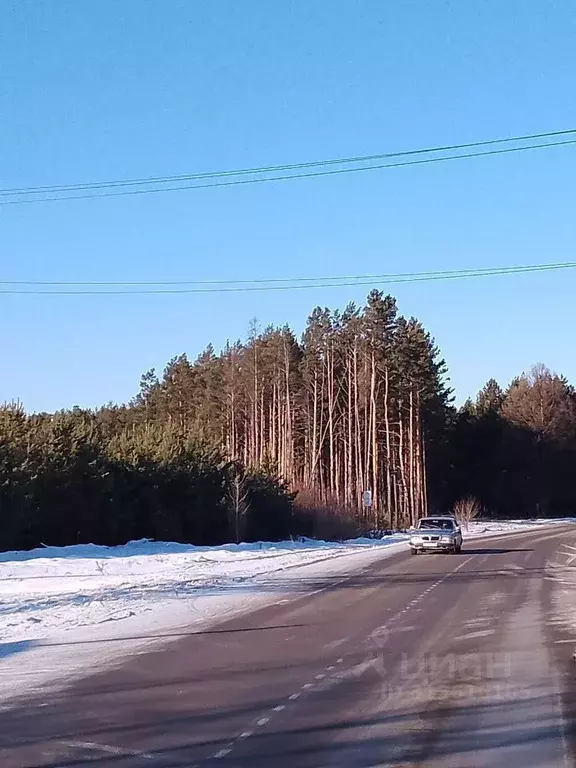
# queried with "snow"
point(488, 527)
point(68, 610)
point(55, 589)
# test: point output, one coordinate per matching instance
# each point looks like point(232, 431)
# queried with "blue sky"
point(131, 88)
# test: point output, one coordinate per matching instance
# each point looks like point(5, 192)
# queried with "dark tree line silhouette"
point(515, 450)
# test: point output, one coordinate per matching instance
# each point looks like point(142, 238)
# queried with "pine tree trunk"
point(402, 463)
point(388, 449)
point(312, 458)
point(233, 449)
point(374, 441)
point(319, 461)
point(424, 473)
point(350, 443)
point(273, 446)
point(288, 451)
point(358, 442)
point(262, 435)
point(255, 452)
point(330, 377)
point(419, 512)
point(366, 436)
point(394, 519)
point(411, 479)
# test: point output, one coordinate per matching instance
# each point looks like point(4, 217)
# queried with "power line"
point(314, 174)
point(293, 281)
point(360, 280)
point(274, 168)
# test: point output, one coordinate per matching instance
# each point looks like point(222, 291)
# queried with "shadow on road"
point(494, 551)
point(176, 733)
point(161, 636)
point(19, 646)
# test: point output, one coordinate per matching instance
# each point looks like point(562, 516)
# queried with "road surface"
point(452, 661)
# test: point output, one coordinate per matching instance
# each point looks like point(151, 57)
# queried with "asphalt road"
point(457, 661)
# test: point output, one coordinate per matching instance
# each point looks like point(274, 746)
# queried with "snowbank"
point(65, 609)
point(55, 589)
point(50, 590)
point(487, 527)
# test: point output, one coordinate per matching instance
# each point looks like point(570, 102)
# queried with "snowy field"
point(64, 610)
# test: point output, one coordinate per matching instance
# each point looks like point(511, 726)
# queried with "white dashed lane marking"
point(357, 669)
point(478, 622)
point(474, 635)
point(108, 749)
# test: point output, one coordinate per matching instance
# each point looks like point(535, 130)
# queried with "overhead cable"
point(272, 284)
point(99, 189)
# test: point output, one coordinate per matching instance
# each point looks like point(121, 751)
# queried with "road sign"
point(367, 498)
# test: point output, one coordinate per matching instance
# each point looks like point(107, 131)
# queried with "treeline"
point(79, 477)
point(515, 450)
point(348, 408)
point(278, 436)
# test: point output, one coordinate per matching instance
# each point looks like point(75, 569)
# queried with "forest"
point(279, 436)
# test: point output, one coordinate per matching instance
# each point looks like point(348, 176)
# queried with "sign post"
point(367, 498)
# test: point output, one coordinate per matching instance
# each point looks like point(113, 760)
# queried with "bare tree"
point(237, 496)
point(466, 510)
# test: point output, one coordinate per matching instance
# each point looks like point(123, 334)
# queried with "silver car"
point(436, 534)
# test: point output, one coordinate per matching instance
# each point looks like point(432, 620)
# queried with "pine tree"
point(490, 399)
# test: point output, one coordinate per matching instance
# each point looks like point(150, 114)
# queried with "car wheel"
point(413, 551)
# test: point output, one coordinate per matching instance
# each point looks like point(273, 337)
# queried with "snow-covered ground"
point(46, 591)
point(64, 610)
point(67, 611)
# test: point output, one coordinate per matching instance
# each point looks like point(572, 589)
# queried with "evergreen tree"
point(361, 402)
point(490, 399)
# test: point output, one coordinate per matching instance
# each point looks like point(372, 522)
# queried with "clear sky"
point(105, 89)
